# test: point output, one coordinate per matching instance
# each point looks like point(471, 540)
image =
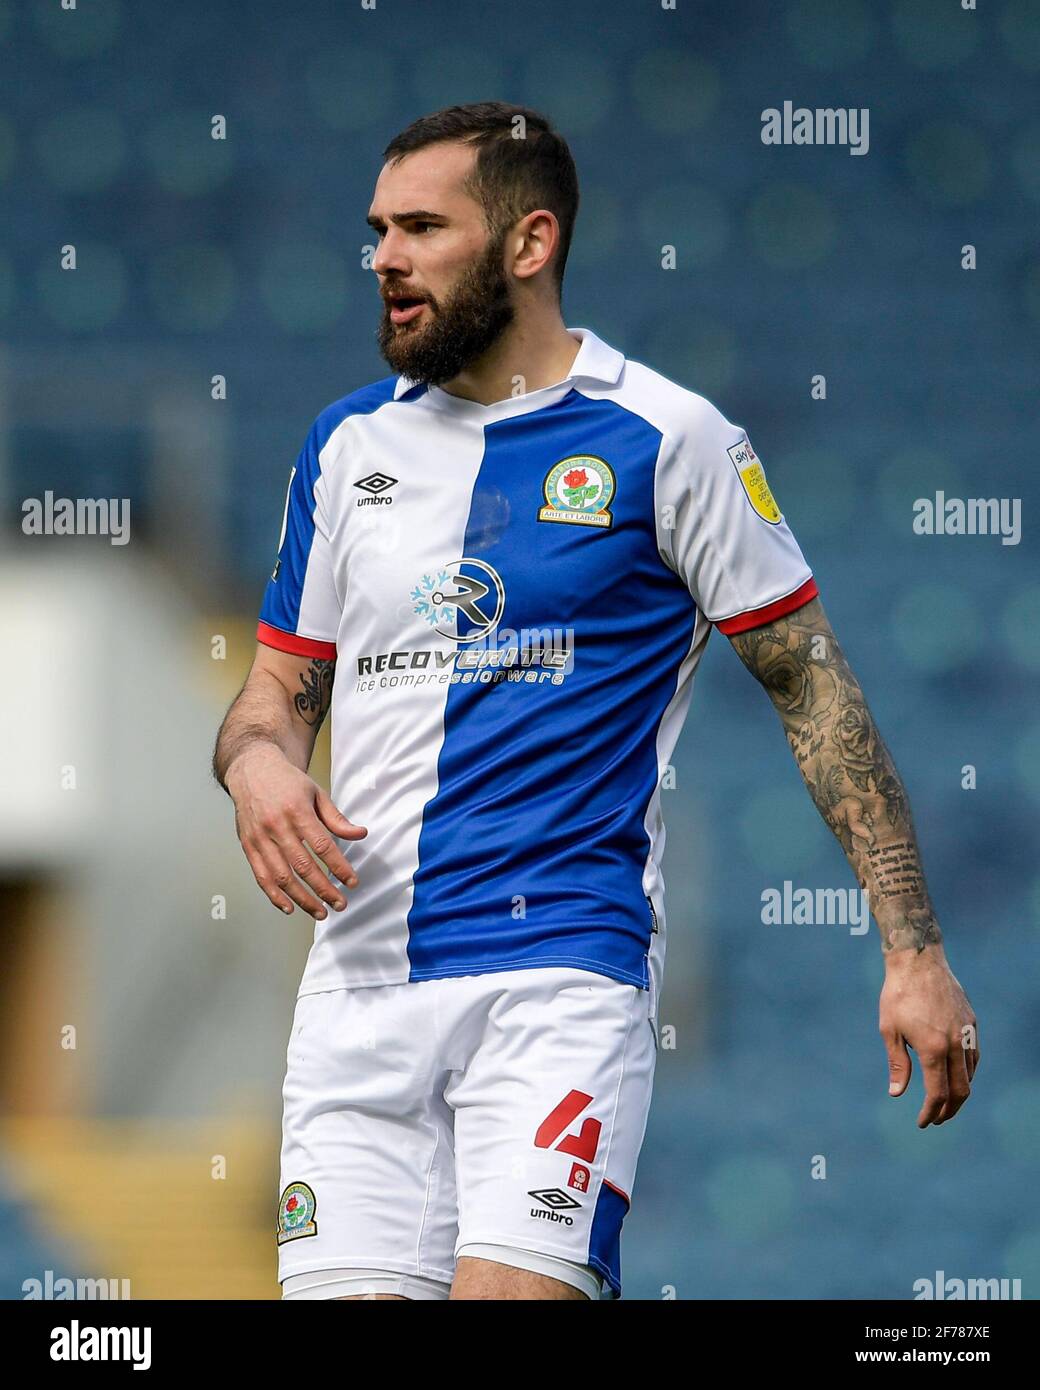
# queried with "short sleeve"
point(300, 612)
point(720, 528)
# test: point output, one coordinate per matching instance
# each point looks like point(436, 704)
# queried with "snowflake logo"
point(423, 599)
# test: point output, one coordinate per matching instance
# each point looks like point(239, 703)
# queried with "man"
point(510, 554)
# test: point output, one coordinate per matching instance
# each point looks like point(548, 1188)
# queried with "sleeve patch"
point(753, 481)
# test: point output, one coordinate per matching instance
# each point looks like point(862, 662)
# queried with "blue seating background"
point(244, 257)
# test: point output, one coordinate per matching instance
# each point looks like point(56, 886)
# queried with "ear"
point(536, 238)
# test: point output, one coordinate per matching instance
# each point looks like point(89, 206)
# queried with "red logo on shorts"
point(582, 1145)
point(579, 1177)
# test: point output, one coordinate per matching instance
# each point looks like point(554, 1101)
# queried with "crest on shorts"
point(579, 489)
point(296, 1208)
point(753, 481)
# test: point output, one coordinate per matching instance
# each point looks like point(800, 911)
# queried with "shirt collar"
point(596, 361)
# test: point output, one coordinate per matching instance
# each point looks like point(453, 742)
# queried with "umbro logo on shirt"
point(374, 486)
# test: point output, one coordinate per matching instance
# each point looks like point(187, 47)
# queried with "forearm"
point(876, 831)
point(265, 713)
point(847, 769)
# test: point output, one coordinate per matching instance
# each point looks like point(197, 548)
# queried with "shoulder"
point(688, 419)
point(364, 401)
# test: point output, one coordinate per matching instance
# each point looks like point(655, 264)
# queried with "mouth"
point(404, 309)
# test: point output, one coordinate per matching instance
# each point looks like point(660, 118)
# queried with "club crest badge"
point(579, 489)
point(753, 481)
point(296, 1209)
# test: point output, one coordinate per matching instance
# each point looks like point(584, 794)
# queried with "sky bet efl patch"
point(753, 480)
point(579, 489)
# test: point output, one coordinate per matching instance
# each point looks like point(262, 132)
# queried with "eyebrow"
point(419, 215)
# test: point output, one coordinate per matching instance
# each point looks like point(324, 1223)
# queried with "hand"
point(923, 1005)
point(279, 811)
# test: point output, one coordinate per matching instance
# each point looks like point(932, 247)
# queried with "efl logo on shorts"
point(579, 1177)
point(296, 1210)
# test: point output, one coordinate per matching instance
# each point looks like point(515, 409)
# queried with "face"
point(446, 296)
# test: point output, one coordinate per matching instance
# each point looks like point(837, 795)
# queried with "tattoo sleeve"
point(846, 766)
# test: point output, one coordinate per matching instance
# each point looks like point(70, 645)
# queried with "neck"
point(535, 347)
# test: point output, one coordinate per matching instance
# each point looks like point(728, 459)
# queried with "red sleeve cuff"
point(297, 646)
point(755, 617)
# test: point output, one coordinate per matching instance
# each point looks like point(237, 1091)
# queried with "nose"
point(390, 258)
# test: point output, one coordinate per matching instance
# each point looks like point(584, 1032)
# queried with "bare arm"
point(854, 783)
point(283, 703)
point(261, 757)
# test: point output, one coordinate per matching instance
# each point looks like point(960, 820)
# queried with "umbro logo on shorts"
point(553, 1197)
point(556, 1200)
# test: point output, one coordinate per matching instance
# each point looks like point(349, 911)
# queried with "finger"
point(899, 1064)
point(298, 856)
point(299, 859)
point(958, 1085)
point(264, 879)
point(327, 850)
point(936, 1088)
point(958, 1088)
point(330, 815)
point(279, 872)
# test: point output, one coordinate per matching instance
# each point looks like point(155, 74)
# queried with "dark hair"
point(512, 176)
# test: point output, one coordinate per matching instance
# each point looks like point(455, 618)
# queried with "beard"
point(469, 321)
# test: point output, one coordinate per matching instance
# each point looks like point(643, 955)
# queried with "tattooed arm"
point(261, 758)
point(846, 767)
point(854, 783)
point(283, 703)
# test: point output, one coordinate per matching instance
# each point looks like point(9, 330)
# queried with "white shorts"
point(498, 1115)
